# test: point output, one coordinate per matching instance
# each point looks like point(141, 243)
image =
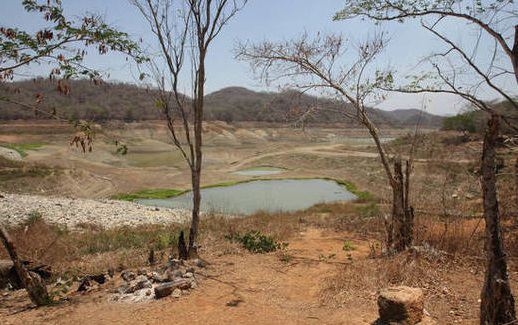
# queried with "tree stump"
point(400, 305)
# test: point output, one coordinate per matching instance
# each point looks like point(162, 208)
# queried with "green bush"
point(462, 122)
point(255, 242)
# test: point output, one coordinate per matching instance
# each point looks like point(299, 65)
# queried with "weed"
point(255, 242)
point(34, 218)
point(326, 259)
point(348, 246)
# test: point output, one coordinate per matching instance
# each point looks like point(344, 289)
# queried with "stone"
point(142, 282)
point(167, 289)
point(174, 274)
point(159, 277)
point(199, 263)
point(128, 276)
point(188, 275)
point(400, 305)
point(124, 288)
point(177, 293)
point(141, 272)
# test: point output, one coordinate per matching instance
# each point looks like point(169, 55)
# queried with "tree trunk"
point(31, 281)
point(193, 232)
point(514, 58)
point(398, 208)
point(402, 213)
point(198, 141)
point(183, 254)
point(497, 302)
point(516, 185)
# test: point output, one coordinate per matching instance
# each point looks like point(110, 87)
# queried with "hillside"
point(132, 103)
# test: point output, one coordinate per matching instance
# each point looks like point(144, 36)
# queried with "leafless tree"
point(466, 70)
point(321, 63)
point(184, 31)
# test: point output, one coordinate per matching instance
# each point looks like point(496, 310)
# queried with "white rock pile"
point(71, 213)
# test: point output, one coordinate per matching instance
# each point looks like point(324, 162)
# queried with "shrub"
point(462, 122)
point(348, 246)
point(255, 242)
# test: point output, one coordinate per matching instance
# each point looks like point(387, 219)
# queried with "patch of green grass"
point(21, 147)
point(364, 195)
point(149, 194)
point(348, 246)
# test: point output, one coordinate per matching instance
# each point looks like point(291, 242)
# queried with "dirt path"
point(235, 289)
point(334, 150)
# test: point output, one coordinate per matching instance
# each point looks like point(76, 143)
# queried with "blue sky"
point(259, 20)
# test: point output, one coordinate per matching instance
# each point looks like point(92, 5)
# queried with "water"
point(269, 196)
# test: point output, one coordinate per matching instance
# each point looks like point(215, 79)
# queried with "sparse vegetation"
point(148, 194)
point(22, 147)
point(255, 242)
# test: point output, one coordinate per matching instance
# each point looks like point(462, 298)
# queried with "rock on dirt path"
point(17, 208)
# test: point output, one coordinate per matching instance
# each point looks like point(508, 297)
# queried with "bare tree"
point(184, 31)
point(321, 63)
point(467, 70)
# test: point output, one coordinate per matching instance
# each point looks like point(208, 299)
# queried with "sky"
point(259, 20)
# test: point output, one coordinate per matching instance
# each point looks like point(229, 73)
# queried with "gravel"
point(69, 212)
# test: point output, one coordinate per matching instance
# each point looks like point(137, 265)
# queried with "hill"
point(128, 102)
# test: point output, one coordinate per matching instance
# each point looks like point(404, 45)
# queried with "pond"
point(265, 195)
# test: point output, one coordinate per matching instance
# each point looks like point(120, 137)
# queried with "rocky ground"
point(72, 213)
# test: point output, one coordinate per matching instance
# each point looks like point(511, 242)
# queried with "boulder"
point(401, 305)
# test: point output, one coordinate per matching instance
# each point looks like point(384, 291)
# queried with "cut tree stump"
point(401, 305)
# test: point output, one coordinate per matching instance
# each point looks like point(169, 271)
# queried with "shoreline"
point(15, 209)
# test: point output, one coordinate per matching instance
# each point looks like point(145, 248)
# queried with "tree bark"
point(398, 208)
point(198, 129)
point(402, 212)
point(497, 301)
point(31, 281)
point(514, 58)
point(516, 185)
point(182, 248)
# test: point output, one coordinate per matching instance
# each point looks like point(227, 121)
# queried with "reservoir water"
point(266, 195)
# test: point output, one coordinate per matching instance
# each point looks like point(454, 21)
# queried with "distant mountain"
point(131, 103)
point(241, 104)
point(414, 116)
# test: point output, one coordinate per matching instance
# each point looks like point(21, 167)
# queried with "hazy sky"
point(259, 20)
